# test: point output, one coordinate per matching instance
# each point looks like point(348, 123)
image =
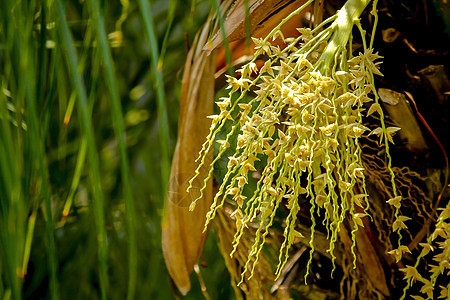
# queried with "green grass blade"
point(170, 17)
point(162, 110)
point(248, 25)
point(29, 240)
point(119, 129)
point(10, 180)
point(76, 177)
point(37, 143)
point(98, 197)
point(215, 4)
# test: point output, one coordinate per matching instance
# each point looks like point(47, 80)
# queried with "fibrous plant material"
point(225, 228)
point(305, 122)
point(182, 250)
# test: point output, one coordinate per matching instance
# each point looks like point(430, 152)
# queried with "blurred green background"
point(89, 105)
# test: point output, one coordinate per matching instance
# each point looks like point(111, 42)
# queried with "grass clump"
point(85, 145)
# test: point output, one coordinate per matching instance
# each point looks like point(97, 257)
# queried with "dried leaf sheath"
point(182, 236)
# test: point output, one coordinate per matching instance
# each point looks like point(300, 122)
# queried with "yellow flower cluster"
point(440, 238)
point(305, 124)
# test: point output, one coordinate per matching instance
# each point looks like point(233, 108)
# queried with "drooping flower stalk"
point(305, 122)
